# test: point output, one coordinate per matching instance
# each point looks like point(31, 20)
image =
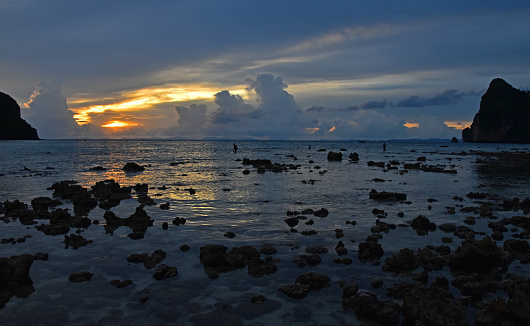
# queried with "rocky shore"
point(434, 284)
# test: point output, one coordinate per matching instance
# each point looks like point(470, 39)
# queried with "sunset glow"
point(459, 125)
point(119, 124)
point(411, 125)
point(144, 99)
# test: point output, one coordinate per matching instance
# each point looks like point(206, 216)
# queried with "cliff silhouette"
point(12, 126)
point(503, 117)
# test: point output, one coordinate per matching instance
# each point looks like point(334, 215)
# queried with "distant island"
point(503, 117)
point(12, 126)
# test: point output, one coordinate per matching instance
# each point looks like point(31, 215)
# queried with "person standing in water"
point(235, 148)
point(384, 146)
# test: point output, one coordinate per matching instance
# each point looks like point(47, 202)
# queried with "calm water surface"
point(253, 206)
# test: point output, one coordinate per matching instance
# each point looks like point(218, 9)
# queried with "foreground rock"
point(216, 260)
point(14, 277)
point(304, 284)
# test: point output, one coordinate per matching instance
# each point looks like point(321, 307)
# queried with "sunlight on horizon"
point(459, 125)
point(411, 125)
point(144, 99)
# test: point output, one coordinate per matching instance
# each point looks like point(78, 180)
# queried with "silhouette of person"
point(235, 148)
point(309, 147)
point(384, 146)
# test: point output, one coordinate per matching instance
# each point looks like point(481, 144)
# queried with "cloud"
point(276, 116)
point(48, 112)
point(192, 118)
point(448, 97)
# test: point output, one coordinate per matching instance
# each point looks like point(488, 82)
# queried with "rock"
point(295, 291)
point(431, 306)
point(366, 304)
point(314, 281)
point(80, 277)
point(268, 249)
point(259, 268)
point(383, 195)
point(229, 235)
point(97, 168)
point(75, 241)
point(133, 167)
point(354, 157)
point(476, 256)
point(404, 261)
point(316, 249)
point(321, 212)
point(216, 260)
point(121, 284)
point(422, 225)
point(291, 221)
point(12, 126)
point(334, 156)
point(164, 271)
point(512, 311)
point(454, 140)
point(14, 277)
point(156, 257)
point(370, 250)
point(503, 117)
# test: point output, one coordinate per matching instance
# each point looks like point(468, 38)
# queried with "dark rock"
point(80, 277)
point(44, 203)
point(334, 156)
point(314, 281)
point(179, 221)
point(291, 221)
point(268, 249)
point(295, 291)
point(431, 306)
point(133, 167)
point(383, 195)
point(476, 256)
point(366, 304)
point(354, 157)
point(97, 168)
point(321, 212)
point(12, 126)
point(454, 140)
point(164, 271)
point(14, 277)
point(156, 257)
point(503, 117)
point(185, 247)
point(259, 268)
point(404, 261)
point(512, 311)
point(229, 235)
point(137, 258)
point(316, 249)
point(75, 241)
point(121, 284)
point(370, 251)
point(422, 225)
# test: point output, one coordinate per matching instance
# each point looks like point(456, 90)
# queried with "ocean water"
point(253, 206)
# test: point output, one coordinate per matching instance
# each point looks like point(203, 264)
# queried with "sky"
point(293, 70)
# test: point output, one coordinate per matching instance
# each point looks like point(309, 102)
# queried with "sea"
point(232, 197)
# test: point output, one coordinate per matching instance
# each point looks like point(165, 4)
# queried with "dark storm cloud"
point(448, 97)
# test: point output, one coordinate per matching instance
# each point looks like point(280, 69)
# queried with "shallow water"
point(254, 209)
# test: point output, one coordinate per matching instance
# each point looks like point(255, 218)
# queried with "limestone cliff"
point(503, 117)
point(12, 126)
